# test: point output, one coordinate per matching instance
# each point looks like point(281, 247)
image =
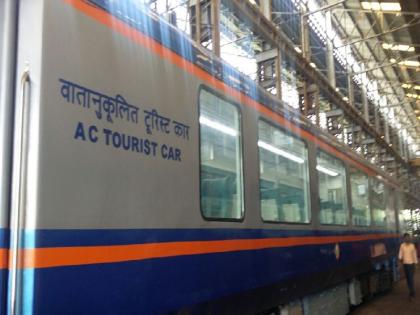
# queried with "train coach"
point(141, 175)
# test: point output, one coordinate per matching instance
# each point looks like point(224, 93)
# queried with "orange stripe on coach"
point(84, 255)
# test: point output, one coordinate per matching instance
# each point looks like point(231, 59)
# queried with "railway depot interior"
point(255, 157)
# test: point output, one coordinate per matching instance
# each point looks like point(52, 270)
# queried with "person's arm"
point(400, 255)
point(416, 261)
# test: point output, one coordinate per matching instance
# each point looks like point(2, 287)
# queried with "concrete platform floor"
point(395, 302)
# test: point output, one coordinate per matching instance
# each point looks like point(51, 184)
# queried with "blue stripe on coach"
point(139, 287)
point(97, 237)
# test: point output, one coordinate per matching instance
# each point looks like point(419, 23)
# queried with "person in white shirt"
point(408, 257)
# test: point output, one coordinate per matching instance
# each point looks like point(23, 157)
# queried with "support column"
point(401, 143)
point(387, 139)
point(330, 52)
point(215, 29)
point(353, 137)
point(350, 86)
point(377, 118)
point(306, 52)
point(317, 107)
point(344, 135)
point(365, 104)
point(198, 21)
point(278, 74)
point(406, 152)
point(304, 34)
point(265, 7)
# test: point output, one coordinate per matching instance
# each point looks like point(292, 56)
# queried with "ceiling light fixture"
point(412, 95)
point(406, 63)
point(390, 6)
point(398, 47)
point(409, 86)
point(384, 6)
point(410, 63)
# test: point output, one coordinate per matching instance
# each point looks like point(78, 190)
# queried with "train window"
point(332, 190)
point(359, 198)
point(284, 178)
point(391, 217)
point(378, 202)
point(221, 178)
point(404, 214)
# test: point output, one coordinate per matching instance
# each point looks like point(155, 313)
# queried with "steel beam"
point(380, 34)
point(408, 13)
point(278, 38)
point(327, 7)
point(371, 50)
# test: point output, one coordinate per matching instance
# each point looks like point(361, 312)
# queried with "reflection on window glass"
point(332, 189)
point(390, 209)
point(378, 202)
point(284, 180)
point(360, 198)
point(404, 214)
point(221, 158)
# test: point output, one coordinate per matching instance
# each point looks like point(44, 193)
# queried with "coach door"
point(8, 13)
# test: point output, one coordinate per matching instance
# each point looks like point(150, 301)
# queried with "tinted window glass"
point(284, 180)
point(404, 214)
point(390, 209)
point(221, 177)
point(360, 198)
point(332, 189)
point(378, 202)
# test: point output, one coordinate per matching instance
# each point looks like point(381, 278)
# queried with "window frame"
point(289, 133)
point(239, 109)
point(346, 201)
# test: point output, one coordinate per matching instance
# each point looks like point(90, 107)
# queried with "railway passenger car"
point(141, 175)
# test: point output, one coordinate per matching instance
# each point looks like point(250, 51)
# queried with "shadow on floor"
point(396, 302)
